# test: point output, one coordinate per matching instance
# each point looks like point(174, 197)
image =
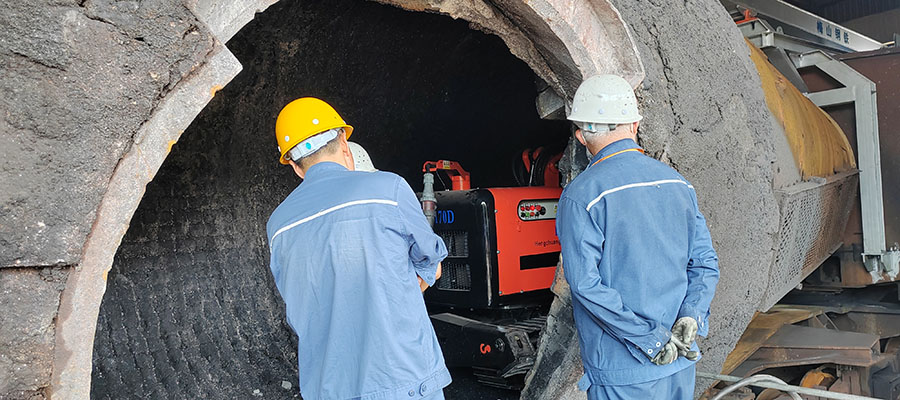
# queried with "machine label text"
point(444, 217)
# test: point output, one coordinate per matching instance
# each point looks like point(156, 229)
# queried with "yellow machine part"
point(819, 145)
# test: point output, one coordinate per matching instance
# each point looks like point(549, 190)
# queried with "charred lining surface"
point(191, 310)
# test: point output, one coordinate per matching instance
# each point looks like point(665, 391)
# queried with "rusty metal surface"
point(850, 381)
point(882, 325)
point(802, 337)
point(853, 332)
point(873, 310)
point(800, 345)
point(817, 378)
point(761, 328)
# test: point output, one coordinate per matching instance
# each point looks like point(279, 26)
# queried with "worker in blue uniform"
point(351, 253)
point(636, 253)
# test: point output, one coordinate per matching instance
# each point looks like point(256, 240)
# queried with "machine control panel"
point(535, 210)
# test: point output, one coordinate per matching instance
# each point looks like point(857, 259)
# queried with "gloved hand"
point(666, 355)
point(684, 333)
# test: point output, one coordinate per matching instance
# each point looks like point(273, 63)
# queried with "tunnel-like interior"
point(191, 310)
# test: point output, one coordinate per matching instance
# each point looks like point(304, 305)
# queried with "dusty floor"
point(465, 387)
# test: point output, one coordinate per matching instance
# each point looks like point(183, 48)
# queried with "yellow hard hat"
point(303, 118)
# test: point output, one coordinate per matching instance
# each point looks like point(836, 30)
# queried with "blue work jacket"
point(346, 247)
point(637, 255)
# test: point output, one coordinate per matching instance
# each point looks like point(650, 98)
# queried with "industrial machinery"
point(491, 302)
point(832, 314)
point(836, 323)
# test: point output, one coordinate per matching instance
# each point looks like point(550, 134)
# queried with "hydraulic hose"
point(754, 379)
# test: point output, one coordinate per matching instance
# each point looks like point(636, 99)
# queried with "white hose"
point(768, 381)
point(755, 379)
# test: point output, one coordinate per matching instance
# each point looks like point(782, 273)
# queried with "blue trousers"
point(678, 386)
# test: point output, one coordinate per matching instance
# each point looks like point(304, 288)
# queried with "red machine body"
point(540, 168)
point(459, 178)
point(528, 249)
point(491, 302)
point(502, 242)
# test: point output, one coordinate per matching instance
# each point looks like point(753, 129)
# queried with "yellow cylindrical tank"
point(818, 144)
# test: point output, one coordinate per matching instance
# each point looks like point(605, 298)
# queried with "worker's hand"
point(684, 333)
point(666, 355)
point(423, 285)
point(684, 350)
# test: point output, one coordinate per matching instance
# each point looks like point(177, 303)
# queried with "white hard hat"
point(605, 99)
point(361, 160)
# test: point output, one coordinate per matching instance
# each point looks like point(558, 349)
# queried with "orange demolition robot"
point(492, 299)
point(501, 241)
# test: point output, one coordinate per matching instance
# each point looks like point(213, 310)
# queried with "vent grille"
point(455, 275)
point(457, 243)
point(813, 217)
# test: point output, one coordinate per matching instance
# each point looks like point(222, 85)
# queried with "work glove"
point(684, 333)
point(666, 355)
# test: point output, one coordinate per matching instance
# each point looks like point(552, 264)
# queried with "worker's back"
point(633, 221)
point(341, 260)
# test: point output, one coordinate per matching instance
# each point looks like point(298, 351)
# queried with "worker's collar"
point(618, 145)
point(323, 168)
